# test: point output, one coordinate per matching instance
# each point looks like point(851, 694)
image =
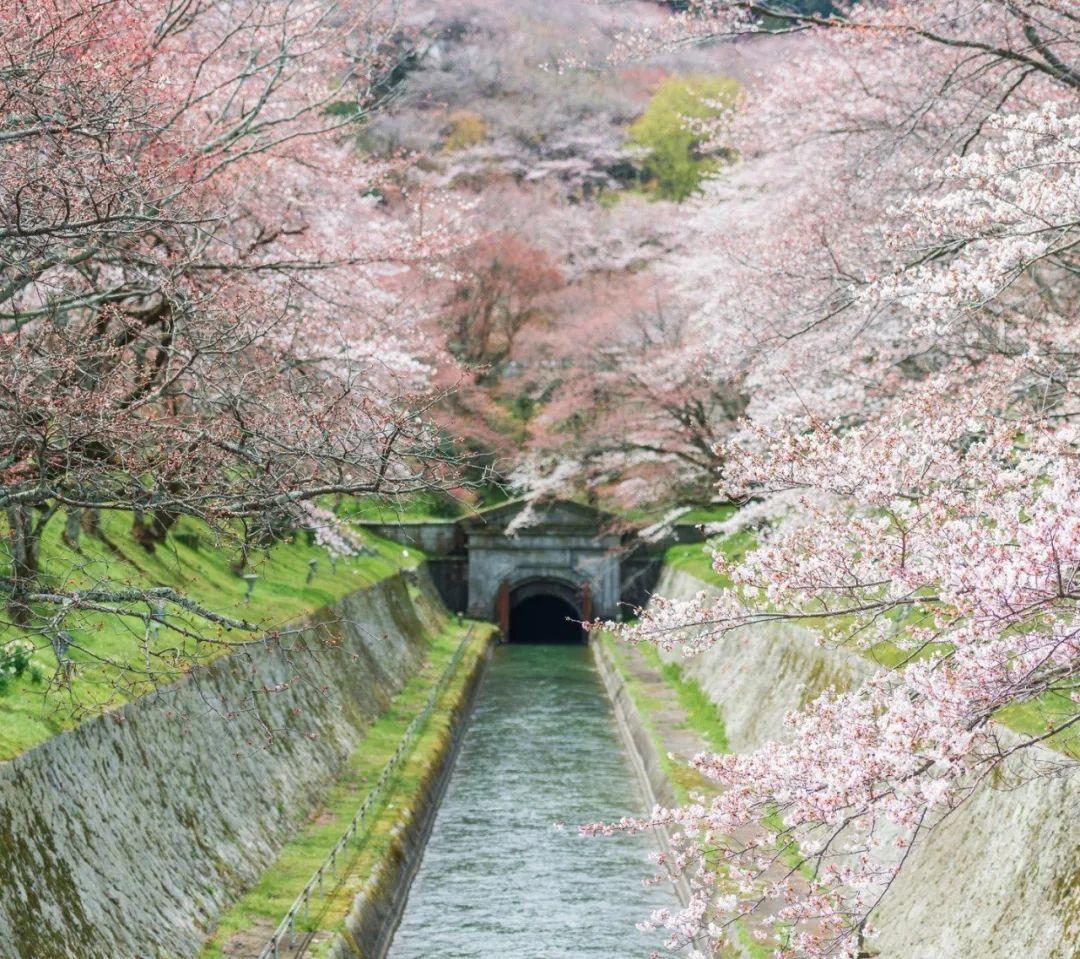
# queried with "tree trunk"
point(73, 526)
point(24, 545)
point(91, 521)
point(151, 529)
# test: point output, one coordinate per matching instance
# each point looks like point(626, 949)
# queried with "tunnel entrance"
point(545, 618)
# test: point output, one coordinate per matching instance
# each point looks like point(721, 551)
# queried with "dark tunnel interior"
point(545, 619)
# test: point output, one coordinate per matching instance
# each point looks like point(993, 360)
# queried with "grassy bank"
point(696, 558)
point(106, 652)
point(254, 917)
point(701, 715)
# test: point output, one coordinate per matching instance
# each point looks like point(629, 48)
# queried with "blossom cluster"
point(890, 274)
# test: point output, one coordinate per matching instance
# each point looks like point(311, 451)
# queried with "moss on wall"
point(381, 851)
point(127, 835)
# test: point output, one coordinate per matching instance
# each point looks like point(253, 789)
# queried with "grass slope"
point(194, 563)
point(702, 716)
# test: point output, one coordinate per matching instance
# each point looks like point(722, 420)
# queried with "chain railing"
point(285, 935)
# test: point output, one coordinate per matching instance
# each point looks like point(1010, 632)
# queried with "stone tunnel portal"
point(544, 612)
point(488, 565)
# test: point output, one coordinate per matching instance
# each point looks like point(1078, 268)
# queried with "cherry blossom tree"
point(890, 273)
point(540, 311)
point(487, 62)
point(637, 411)
point(198, 313)
point(499, 285)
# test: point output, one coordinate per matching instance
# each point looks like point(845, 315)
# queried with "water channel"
point(497, 881)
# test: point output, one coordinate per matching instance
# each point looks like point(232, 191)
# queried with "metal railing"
point(285, 935)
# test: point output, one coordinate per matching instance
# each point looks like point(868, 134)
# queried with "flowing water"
point(497, 881)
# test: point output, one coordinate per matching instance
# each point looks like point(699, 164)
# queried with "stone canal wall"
point(640, 748)
point(1000, 878)
point(126, 836)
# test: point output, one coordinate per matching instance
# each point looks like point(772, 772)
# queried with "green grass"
point(701, 515)
point(267, 902)
point(693, 515)
point(701, 713)
point(435, 508)
point(1036, 717)
point(107, 650)
point(752, 949)
point(696, 558)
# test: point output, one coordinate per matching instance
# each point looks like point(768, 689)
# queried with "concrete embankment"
point(128, 835)
point(999, 878)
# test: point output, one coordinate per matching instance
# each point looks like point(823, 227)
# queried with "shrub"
point(15, 659)
point(464, 129)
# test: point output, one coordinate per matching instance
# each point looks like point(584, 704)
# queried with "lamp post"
point(250, 579)
point(312, 566)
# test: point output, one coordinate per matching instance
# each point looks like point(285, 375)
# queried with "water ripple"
point(497, 881)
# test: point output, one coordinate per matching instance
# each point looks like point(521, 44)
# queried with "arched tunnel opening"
point(544, 618)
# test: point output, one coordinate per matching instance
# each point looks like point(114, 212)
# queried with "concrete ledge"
point(376, 912)
point(644, 757)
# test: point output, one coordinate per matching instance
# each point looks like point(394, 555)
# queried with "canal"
point(497, 880)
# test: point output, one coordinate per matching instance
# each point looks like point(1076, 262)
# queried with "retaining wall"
point(125, 837)
point(640, 748)
point(998, 879)
point(434, 537)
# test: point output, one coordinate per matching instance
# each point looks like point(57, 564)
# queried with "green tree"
point(673, 159)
